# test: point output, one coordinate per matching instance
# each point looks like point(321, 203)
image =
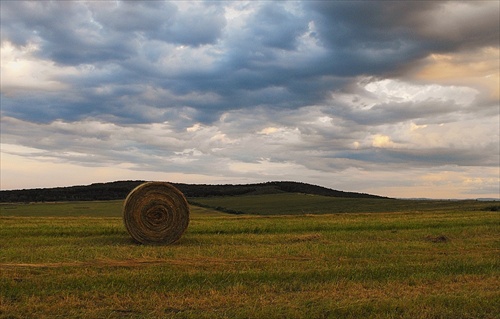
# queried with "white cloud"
point(392, 90)
point(22, 71)
point(383, 141)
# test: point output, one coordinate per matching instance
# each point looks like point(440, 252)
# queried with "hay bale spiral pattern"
point(156, 213)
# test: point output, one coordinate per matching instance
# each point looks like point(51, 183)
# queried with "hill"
point(120, 189)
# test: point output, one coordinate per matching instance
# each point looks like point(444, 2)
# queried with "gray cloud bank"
point(317, 87)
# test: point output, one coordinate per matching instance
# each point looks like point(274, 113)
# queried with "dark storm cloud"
point(65, 32)
point(283, 55)
point(388, 33)
point(117, 33)
point(74, 33)
point(134, 16)
point(273, 26)
point(157, 20)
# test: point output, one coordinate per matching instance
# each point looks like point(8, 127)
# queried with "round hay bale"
point(156, 213)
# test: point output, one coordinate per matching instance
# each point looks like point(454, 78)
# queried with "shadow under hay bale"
point(156, 213)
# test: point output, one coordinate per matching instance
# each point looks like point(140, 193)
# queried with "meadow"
point(310, 259)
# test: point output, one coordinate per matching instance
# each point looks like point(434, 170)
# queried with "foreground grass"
point(388, 265)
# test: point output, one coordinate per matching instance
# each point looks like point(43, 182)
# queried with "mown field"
point(300, 204)
point(310, 259)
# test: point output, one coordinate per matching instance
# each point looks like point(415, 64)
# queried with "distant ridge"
point(120, 189)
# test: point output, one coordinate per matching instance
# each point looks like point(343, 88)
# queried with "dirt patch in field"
point(437, 239)
point(305, 238)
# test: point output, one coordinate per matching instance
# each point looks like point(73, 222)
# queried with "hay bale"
point(156, 213)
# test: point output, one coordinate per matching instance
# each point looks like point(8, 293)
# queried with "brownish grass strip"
point(149, 262)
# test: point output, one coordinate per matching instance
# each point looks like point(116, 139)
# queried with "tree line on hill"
point(120, 189)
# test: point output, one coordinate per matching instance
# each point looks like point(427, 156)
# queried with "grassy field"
point(292, 204)
point(75, 260)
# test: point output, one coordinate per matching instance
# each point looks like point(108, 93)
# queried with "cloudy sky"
point(398, 99)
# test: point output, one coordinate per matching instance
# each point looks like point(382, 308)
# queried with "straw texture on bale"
point(156, 213)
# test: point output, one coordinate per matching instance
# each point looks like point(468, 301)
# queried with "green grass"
point(111, 208)
point(290, 204)
point(61, 261)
